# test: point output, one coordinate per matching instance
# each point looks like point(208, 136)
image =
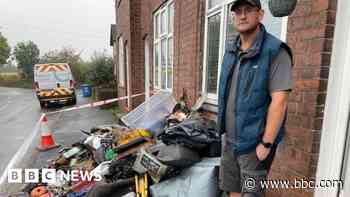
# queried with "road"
point(20, 110)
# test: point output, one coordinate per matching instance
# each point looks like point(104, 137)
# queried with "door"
point(147, 67)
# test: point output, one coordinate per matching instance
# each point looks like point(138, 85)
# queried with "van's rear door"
point(51, 76)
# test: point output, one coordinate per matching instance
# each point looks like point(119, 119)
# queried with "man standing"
point(255, 81)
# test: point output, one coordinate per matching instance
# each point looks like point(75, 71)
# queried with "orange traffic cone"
point(46, 142)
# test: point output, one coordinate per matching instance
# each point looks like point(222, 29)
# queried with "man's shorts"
point(242, 173)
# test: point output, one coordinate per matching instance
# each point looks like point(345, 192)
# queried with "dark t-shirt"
point(280, 79)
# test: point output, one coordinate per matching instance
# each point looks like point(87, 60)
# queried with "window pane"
point(156, 65)
point(171, 18)
point(273, 24)
point(213, 3)
point(163, 63)
point(170, 64)
point(231, 33)
point(213, 53)
point(163, 22)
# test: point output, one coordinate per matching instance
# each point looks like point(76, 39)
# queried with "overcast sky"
point(52, 24)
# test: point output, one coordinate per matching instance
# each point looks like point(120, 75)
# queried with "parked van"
point(54, 83)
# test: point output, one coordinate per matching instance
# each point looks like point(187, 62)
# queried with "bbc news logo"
point(50, 176)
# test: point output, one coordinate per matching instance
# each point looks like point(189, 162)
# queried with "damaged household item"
point(72, 152)
point(121, 169)
point(110, 154)
point(93, 141)
point(194, 133)
point(141, 184)
point(131, 194)
point(198, 180)
point(47, 141)
point(129, 143)
point(281, 8)
point(147, 163)
point(152, 113)
point(102, 169)
point(178, 156)
point(38, 191)
point(117, 189)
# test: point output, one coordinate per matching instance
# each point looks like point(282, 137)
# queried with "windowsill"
point(210, 107)
point(211, 101)
point(165, 90)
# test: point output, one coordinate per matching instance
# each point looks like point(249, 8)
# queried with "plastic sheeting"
point(200, 180)
point(151, 114)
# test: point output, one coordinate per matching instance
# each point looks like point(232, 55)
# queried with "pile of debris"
point(179, 159)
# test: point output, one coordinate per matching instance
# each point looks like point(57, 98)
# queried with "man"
point(255, 81)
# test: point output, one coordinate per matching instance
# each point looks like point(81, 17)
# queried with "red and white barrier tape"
point(96, 104)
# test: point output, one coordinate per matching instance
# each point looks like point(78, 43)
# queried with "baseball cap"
point(255, 3)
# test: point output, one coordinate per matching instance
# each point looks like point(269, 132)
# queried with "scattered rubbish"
point(147, 163)
point(93, 141)
point(178, 156)
point(71, 152)
point(102, 169)
point(162, 149)
point(141, 184)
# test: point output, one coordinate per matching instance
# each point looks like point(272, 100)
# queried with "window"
point(213, 3)
point(219, 29)
point(163, 47)
point(121, 65)
point(213, 40)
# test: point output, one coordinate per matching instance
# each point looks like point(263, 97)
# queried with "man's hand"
point(262, 152)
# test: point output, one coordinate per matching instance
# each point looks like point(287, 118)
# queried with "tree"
point(66, 55)
point(101, 66)
point(4, 50)
point(27, 55)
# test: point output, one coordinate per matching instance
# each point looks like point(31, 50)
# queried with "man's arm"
point(280, 85)
point(275, 115)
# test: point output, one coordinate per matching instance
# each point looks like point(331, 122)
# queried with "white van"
point(53, 82)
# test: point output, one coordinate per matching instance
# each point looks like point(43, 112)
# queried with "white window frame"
point(222, 9)
point(121, 64)
point(157, 41)
point(115, 58)
point(128, 81)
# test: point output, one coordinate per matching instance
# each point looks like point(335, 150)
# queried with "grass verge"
point(22, 83)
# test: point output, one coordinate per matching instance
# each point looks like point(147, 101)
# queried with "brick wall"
point(310, 34)
point(188, 37)
point(123, 23)
point(188, 44)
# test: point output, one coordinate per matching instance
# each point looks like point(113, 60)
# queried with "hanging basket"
point(281, 8)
